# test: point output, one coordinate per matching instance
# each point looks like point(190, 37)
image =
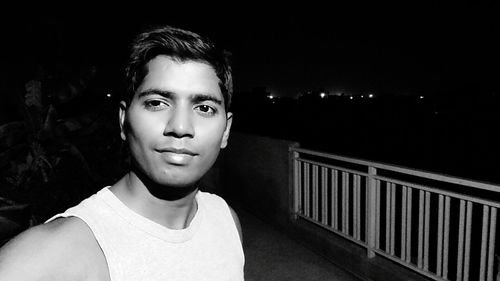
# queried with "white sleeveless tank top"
point(137, 248)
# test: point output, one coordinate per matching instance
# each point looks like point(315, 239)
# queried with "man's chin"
point(178, 181)
point(164, 186)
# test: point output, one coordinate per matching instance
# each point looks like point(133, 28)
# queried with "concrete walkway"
point(271, 255)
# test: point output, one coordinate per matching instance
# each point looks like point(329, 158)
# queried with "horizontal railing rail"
point(441, 226)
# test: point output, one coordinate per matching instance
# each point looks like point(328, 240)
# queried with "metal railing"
point(440, 226)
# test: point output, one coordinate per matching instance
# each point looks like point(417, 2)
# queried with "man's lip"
point(177, 150)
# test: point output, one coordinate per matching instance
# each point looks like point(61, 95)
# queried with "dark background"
point(445, 52)
point(405, 48)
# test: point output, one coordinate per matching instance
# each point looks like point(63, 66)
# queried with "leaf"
point(48, 129)
point(21, 168)
point(44, 160)
point(45, 177)
point(7, 201)
point(12, 208)
point(77, 155)
point(29, 159)
point(12, 181)
point(11, 154)
point(13, 133)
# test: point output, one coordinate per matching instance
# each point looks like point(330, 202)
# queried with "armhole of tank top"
point(229, 215)
point(234, 227)
point(112, 272)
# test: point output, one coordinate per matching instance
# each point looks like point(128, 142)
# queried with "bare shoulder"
point(237, 223)
point(53, 251)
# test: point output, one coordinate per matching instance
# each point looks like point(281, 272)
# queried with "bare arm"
point(51, 251)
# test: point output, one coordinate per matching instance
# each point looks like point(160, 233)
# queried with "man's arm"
point(46, 252)
point(237, 223)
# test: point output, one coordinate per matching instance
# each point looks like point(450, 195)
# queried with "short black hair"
point(180, 45)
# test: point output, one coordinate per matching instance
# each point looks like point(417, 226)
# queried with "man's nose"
point(179, 124)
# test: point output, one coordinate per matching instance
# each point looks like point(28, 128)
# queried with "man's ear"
point(122, 119)
point(225, 136)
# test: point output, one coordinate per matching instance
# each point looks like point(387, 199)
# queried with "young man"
point(154, 223)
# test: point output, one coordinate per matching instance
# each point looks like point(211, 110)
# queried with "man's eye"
point(155, 104)
point(206, 109)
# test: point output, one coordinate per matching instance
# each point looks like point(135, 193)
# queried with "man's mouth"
point(177, 151)
point(177, 156)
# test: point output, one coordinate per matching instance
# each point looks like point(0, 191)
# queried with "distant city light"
point(322, 95)
point(270, 96)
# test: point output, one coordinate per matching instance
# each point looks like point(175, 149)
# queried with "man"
point(154, 223)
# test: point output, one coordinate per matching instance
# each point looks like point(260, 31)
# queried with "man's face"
point(176, 123)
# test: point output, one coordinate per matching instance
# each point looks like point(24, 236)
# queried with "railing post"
point(371, 211)
point(293, 181)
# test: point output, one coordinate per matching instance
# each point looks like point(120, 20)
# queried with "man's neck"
point(174, 212)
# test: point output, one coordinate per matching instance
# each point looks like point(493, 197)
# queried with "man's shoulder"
point(222, 202)
point(58, 248)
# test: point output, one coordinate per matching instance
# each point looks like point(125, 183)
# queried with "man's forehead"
point(168, 61)
point(167, 74)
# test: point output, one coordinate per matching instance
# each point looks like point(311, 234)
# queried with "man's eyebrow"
point(165, 94)
point(196, 98)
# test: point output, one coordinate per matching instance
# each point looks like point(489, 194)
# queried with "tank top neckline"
point(150, 227)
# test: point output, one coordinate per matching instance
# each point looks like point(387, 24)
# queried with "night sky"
point(355, 48)
point(435, 50)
